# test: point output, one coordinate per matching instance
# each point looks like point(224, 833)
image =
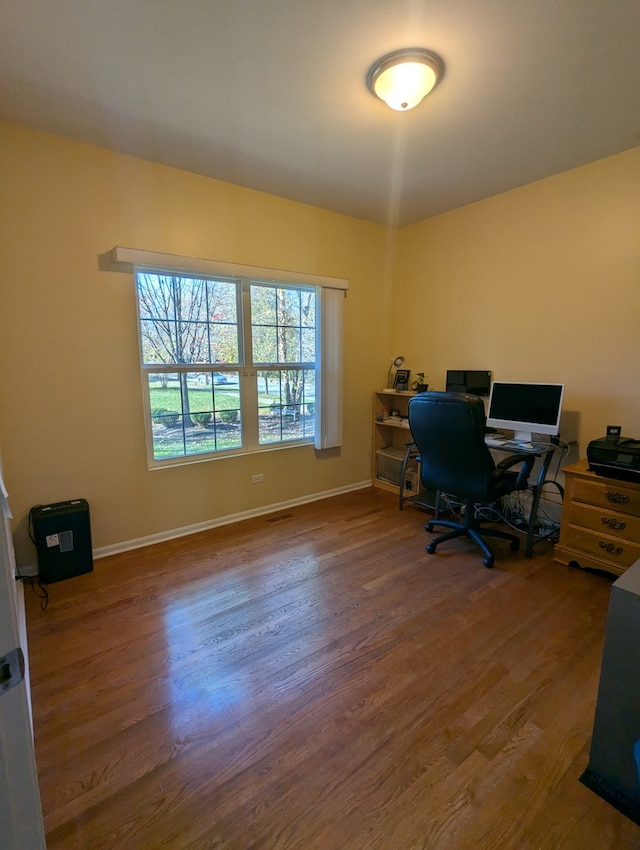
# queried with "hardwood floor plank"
point(316, 680)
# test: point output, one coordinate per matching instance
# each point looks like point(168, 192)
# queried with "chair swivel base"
point(472, 531)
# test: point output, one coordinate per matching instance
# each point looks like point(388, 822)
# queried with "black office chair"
point(448, 430)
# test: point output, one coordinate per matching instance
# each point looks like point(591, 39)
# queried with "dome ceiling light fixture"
point(402, 78)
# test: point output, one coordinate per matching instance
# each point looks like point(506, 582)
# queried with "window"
point(235, 364)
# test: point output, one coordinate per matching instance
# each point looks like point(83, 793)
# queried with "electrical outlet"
point(257, 479)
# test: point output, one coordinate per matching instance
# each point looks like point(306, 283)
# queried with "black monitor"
point(525, 408)
point(471, 381)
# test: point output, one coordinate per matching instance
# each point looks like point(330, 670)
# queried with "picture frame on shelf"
point(401, 380)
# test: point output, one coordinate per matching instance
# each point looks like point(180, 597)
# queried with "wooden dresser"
point(600, 521)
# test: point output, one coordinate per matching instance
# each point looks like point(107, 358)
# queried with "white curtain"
point(329, 369)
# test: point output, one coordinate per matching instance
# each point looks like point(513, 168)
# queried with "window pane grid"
point(286, 405)
point(194, 413)
point(187, 320)
point(282, 319)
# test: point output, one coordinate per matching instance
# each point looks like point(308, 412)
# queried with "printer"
point(615, 458)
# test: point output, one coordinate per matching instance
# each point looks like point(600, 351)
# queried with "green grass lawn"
point(169, 437)
point(199, 399)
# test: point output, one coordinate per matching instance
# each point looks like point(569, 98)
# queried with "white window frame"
point(330, 294)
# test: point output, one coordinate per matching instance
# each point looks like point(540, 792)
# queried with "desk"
point(431, 500)
point(536, 488)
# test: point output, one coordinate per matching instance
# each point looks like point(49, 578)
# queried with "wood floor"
point(316, 680)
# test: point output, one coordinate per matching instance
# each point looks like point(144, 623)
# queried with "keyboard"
point(496, 442)
point(515, 446)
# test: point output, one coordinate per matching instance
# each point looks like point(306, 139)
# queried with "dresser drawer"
point(603, 521)
point(605, 493)
point(616, 551)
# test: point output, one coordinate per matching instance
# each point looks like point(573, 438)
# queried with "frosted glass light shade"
point(404, 77)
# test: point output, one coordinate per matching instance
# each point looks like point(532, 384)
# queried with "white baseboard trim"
point(172, 534)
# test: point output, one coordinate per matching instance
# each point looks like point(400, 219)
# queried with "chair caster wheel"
point(514, 545)
point(489, 562)
point(429, 527)
point(431, 548)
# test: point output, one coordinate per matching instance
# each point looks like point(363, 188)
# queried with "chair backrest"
point(448, 429)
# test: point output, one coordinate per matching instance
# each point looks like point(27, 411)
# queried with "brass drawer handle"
point(611, 548)
point(612, 522)
point(617, 498)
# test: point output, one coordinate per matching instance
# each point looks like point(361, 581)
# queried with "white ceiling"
point(271, 94)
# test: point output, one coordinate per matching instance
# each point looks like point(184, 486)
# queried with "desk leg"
point(537, 493)
point(408, 455)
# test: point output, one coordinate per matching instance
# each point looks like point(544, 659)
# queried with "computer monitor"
point(525, 408)
point(468, 381)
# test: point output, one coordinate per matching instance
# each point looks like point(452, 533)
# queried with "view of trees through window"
point(205, 394)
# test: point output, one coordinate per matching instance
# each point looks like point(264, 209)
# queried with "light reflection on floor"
point(211, 651)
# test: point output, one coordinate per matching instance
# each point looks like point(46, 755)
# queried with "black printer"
point(615, 458)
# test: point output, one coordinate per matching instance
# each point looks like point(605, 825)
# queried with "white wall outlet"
point(257, 479)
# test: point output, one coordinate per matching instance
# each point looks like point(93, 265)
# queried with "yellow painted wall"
point(541, 283)
point(71, 423)
point(538, 284)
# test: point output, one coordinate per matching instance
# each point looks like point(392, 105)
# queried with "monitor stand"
point(522, 436)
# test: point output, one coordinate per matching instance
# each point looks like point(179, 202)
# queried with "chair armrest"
point(526, 459)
